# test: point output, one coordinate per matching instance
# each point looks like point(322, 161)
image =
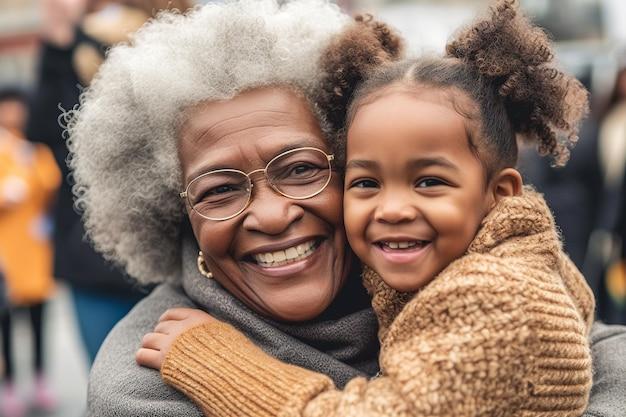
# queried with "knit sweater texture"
point(342, 345)
point(502, 331)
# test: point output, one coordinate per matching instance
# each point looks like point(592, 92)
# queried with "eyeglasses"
point(225, 193)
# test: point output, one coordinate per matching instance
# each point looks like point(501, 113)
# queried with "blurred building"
point(19, 23)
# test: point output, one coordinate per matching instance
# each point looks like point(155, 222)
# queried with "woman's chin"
point(302, 307)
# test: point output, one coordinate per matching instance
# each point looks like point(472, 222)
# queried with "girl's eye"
point(365, 183)
point(429, 182)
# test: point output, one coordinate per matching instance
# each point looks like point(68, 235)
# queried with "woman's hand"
point(174, 322)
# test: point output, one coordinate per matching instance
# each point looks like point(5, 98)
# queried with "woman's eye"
point(366, 183)
point(430, 182)
point(302, 170)
point(221, 189)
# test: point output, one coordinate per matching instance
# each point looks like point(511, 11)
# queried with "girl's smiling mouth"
point(401, 251)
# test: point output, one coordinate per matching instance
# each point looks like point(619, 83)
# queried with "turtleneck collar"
point(341, 342)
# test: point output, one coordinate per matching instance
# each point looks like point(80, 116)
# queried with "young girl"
point(480, 311)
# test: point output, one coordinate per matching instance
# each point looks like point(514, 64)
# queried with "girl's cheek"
point(356, 224)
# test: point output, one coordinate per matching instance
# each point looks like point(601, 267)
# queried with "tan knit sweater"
point(501, 331)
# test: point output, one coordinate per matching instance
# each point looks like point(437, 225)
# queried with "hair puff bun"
point(544, 104)
point(364, 46)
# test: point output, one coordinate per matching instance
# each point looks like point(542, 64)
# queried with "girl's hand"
point(175, 321)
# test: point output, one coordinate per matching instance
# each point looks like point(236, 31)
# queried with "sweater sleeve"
point(455, 349)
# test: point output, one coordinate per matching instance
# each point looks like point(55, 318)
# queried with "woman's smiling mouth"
point(289, 262)
point(286, 256)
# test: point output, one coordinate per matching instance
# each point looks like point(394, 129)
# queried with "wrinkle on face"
point(221, 125)
point(245, 133)
point(237, 124)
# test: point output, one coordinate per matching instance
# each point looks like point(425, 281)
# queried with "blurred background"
point(49, 51)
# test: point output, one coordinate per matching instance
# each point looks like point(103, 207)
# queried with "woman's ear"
point(506, 183)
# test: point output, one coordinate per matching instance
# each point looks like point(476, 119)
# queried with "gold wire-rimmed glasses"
point(222, 194)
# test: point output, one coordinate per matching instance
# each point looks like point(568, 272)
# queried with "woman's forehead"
point(256, 109)
point(272, 102)
point(251, 127)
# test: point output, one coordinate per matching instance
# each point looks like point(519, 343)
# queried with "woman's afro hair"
point(123, 137)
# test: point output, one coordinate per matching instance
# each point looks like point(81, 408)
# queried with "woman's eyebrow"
point(205, 169)
point(302, 142)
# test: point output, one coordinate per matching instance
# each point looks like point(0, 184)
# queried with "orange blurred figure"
point(29, 178)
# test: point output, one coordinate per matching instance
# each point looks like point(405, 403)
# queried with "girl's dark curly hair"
point(363, 47)
point(505, 65)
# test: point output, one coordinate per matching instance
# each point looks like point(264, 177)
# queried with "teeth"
point(403, 245)
point(282, 257)
point(291, 253)
point(279, 256)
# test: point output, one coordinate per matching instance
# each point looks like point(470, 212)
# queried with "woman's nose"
point(270, 212)
point(395, 207)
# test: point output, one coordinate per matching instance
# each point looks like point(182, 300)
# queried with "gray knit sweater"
point(344, 348)
point(342, 344)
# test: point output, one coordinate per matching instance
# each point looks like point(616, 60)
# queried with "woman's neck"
point(352, 297)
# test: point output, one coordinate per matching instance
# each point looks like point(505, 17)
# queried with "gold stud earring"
point(202, 266)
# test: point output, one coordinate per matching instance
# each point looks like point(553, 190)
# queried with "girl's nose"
point(395, 208)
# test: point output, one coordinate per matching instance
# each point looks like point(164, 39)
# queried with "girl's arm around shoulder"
point(460, 347)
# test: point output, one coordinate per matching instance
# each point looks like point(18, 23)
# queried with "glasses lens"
point(219, 194)
point(300, 174)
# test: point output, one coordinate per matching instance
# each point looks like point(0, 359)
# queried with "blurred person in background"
point(612, 290)
point(75, 36)
point(574, 192)
point(29, 177)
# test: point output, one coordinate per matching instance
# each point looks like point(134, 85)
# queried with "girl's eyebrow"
point(361, 163)
point(420, 163)
point(417, 163)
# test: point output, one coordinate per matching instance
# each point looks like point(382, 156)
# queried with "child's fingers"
point(165, 327)
point(149, 358)
point(152, 341)
point(179, 313)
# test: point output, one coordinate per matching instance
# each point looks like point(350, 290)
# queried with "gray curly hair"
point(122, 139)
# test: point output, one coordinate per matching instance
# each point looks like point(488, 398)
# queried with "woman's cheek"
point(333, 203)
point(215, 239)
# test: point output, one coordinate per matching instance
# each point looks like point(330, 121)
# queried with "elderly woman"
point(225, 99)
